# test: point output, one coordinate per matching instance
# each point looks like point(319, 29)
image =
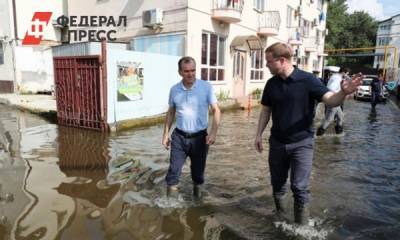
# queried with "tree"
point(336, 19)
point(356, 30)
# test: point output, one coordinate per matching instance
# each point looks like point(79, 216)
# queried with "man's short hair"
point(344, 69)
point(185, 60)
point(380, 72)
point(280, 50)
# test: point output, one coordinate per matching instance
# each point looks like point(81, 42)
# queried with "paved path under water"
point(62, 183)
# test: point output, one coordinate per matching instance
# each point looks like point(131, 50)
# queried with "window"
point(385, 27)
point(162, 44)
point(320, 4)
point(318, 36)
point(304, 27)
point(316, 64)
point(382, 41)
point(212, 57)
point(259, 5)
point(289, 16)
point(1, 53)
point(304, 62)
point(257, 65)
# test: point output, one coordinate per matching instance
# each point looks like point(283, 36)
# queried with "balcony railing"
point(295, 37)
point(269, 23)
point(229, 11)
point(310, 45)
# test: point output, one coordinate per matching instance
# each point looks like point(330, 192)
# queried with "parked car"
point(363, 92)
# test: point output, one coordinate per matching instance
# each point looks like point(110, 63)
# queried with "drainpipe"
point(298, 57)
point(103, 91)
point(15, 20)
point(14, 12)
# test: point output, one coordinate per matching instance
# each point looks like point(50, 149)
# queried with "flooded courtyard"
point(65, 183)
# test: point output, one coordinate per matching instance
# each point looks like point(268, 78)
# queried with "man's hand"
point(258, 144)
point(166, 142)
point(210, 139)
point(350, 86)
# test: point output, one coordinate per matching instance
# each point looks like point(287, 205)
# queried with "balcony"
point(228, 11)
point(269, 23)
point(310, 45)
point(295, 38)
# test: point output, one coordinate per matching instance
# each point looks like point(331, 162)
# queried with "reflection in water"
point(82, 149)
point(77, 184)
point(42, 178)
point(372, 116)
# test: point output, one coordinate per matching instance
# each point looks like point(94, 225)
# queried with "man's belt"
point(191, 135)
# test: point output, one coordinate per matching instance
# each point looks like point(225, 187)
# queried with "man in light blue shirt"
point(189, 101)
point(334, 113)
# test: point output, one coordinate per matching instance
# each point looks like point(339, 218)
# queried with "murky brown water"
point(63, 183)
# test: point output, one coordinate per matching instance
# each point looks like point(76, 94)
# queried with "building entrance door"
point(239, 74)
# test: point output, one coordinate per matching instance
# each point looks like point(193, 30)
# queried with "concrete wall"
point(160, 73)
point(34, 69)
point(7, 69)
point(26, 9)
point(30, 67)
point(6, 34)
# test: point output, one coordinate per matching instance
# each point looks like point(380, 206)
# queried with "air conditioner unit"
point(152, 18)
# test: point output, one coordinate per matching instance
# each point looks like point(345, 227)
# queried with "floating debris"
point(94, 214)
point(124, 170)
point(124, 162)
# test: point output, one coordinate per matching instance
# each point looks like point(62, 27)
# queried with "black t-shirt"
point(292, 102)
point(376, 85)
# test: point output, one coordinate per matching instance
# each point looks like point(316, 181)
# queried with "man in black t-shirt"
point(289, 97)
point(376, 89)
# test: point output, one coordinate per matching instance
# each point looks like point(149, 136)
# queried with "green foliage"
point(257, 93)
point(223, 95)
point(336, 18)
point(356, 30)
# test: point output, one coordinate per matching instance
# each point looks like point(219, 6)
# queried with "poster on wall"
point(129, 81)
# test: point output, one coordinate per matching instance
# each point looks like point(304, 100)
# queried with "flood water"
point(65, 183)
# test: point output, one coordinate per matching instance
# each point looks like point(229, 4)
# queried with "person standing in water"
point(189, 101)
point(289, 97)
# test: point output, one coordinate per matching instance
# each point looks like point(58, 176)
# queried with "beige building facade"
point(227, 38)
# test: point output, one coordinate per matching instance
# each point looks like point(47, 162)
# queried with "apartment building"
point(388, 41)
point(227, 38)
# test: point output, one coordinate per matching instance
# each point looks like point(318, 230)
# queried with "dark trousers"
point(183, 146)
point(375, 99)
point(296, 157)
